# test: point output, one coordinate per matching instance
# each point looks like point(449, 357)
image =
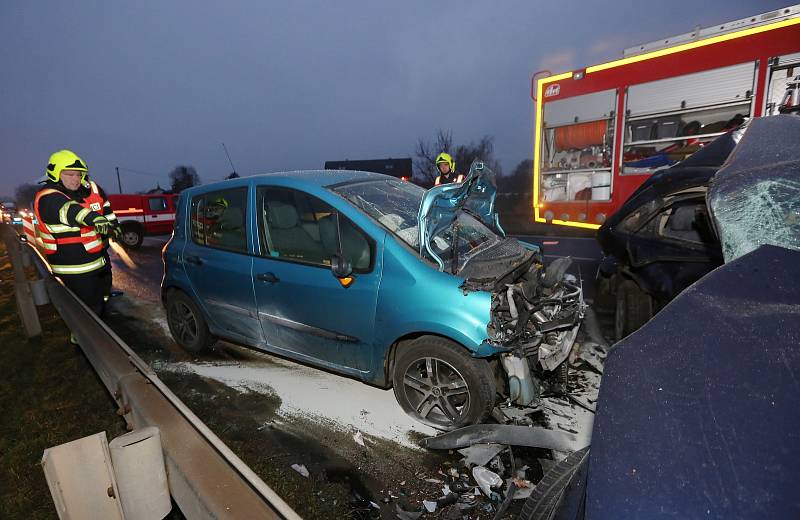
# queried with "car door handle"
point(268, 277)
point(193, 259)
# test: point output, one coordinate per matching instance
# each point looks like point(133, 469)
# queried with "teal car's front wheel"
point(438, 383)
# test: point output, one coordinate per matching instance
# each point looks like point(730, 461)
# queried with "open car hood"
point(442, 204)
point(755, 197)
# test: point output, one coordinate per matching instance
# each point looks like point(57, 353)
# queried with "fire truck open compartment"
point(578, 147)
point(602, 131)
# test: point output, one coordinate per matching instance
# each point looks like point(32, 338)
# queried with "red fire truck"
point(143, 215)
point(600, 131)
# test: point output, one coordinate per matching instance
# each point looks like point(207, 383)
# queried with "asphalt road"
point(143, 279)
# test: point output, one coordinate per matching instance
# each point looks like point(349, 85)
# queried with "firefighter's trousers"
point(92, 288)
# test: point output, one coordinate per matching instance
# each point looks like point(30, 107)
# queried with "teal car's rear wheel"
point(438, 383)
point(187, 324)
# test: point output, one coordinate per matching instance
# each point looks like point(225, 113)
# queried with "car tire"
point(549, 493)
point(634, 308)
point(132, 236)
point(187, 324)
point(438, 383)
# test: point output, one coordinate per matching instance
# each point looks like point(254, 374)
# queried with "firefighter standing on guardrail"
point(74, 218)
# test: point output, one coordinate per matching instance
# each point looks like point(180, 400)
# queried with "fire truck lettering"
point(552, 90)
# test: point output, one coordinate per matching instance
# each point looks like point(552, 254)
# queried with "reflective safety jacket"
point(447, 179)
point(66, 226)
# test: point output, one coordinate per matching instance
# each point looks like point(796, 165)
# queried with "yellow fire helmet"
point(445, 157)
point(64, 160)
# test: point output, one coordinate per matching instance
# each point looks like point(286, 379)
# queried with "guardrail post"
point(25, 305)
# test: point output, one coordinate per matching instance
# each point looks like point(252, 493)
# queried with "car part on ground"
point(698, 414)
point(755, 197)
point(535, 437)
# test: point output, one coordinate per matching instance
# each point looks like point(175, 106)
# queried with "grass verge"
point(49, 395)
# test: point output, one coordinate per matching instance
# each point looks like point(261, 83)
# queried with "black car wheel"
point(187, 324)
point(634, 308)
point(132, 236)
point(438, 383)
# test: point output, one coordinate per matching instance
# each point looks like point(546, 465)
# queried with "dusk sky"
point(149, 85)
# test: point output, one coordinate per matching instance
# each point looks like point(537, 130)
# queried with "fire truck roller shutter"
point(588, 107)
point(700, 89)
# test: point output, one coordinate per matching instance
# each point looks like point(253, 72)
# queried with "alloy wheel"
point(183, 323)
point(437, 391)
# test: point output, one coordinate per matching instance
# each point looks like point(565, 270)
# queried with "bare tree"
point(183, 177)
point(463, 155)
point(520, 182)
point(24, 195)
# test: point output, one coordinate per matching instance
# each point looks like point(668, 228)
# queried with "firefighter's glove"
point(102, 225)
point(116, 233)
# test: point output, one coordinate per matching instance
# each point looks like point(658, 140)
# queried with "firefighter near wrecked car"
point(75, 221)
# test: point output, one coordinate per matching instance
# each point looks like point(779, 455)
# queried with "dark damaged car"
point(377, 279)
point(697, 414)
point(664, 238)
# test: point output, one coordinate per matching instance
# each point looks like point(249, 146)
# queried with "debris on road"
point(300, 468)
point(359, 438)
point(486, 479)
point(480, 454)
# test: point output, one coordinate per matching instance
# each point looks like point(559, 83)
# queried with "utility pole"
point(229, 159)
point(119, 183)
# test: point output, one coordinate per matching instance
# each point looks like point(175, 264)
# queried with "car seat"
point(230, 229)
point(289, 239)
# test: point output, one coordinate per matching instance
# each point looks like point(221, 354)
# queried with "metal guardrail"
point(206, 479)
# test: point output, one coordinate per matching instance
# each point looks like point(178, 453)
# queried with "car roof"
point(320, 178)
point(326, 177)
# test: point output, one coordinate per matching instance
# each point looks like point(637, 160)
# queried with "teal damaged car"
point(377, 279)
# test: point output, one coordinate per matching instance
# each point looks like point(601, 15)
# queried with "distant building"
point(400, 168)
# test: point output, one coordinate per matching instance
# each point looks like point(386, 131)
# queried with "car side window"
point(158, 204)
point(685, 221)
point(300, 227)
point(218, 219)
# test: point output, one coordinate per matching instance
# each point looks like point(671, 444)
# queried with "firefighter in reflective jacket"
point(74, 219)
point(446, 167)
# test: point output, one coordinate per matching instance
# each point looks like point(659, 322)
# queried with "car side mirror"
point(341, 267)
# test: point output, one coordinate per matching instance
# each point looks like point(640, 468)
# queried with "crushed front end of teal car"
point(535, 311)
point(531, 313)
